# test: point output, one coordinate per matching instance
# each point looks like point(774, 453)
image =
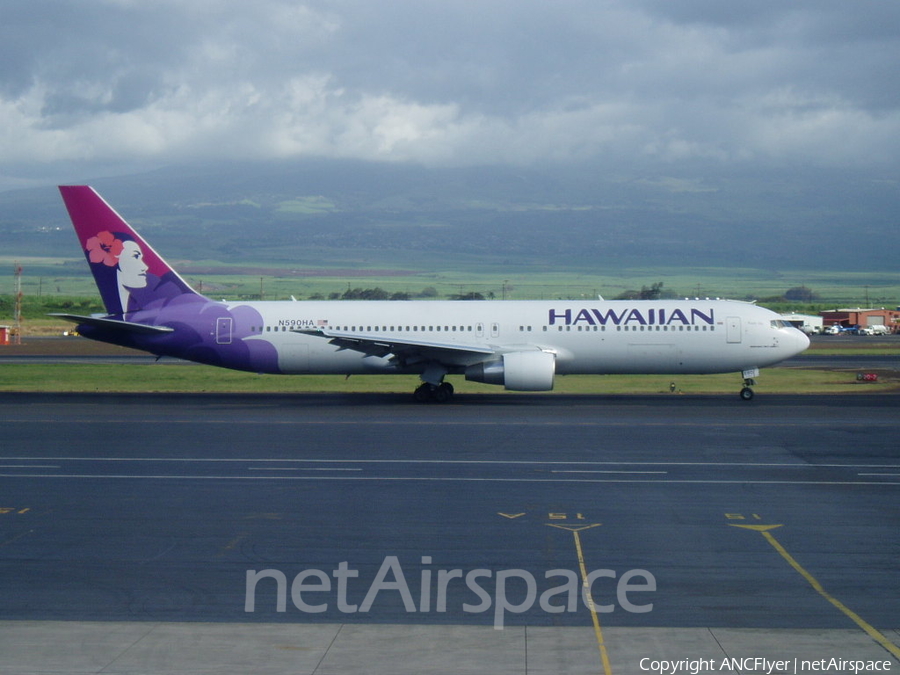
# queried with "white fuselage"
point(664, 336)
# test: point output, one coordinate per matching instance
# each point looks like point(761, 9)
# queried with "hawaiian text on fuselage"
point(632, 316)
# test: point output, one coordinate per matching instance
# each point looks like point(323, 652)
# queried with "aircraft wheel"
point(442, 393)
point(423, 393)
point(746, 393)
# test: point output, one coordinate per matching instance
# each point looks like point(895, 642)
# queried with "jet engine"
point(517, 371)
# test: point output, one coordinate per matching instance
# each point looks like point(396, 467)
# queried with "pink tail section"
point(93, 217)
point(131, 276)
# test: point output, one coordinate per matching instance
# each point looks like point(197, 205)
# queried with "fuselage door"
point(223, 330)
point(733, 330)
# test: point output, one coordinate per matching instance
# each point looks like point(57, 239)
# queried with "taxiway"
point(759, 525)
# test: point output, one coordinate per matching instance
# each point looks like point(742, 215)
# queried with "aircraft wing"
point(403, 350)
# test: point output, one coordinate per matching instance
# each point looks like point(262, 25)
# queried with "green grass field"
point(162, 377)
point(56, 277)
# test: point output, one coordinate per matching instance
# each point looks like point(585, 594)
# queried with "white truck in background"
point(808, 323)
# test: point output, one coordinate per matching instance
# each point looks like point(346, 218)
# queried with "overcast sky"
point(93, 86)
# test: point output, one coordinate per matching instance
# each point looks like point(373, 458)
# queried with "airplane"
point(521, 345)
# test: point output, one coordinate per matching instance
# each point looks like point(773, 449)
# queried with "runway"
point(691, 514)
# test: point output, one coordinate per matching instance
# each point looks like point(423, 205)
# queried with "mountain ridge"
point(317, 212)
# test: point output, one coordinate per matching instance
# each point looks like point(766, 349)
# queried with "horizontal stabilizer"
point(115, 324)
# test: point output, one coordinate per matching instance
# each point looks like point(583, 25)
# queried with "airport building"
point(866, 318)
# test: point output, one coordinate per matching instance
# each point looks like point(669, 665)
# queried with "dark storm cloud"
point(451, 82)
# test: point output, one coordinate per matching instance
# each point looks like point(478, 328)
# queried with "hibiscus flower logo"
point(104, 248)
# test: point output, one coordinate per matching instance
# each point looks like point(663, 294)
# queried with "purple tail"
point(131, 276)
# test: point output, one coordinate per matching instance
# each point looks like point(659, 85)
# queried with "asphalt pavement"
point(362, 532)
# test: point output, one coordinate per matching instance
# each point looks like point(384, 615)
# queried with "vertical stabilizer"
point(130, 275)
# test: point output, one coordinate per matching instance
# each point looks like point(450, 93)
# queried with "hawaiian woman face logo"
point(123, 258)
point(132, 269)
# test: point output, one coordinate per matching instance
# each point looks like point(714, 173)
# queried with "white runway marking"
point(440, 470)
point(439, 479)
point(602, 471)
point(298, 468)
point(28, 466)
point(785, 465)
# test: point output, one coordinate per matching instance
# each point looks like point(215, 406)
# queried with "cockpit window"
point(778, 323)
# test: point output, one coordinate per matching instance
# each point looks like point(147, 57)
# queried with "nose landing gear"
point(749, 381)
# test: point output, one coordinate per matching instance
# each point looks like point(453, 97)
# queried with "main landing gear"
point(434, 393)
point(433, 388)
